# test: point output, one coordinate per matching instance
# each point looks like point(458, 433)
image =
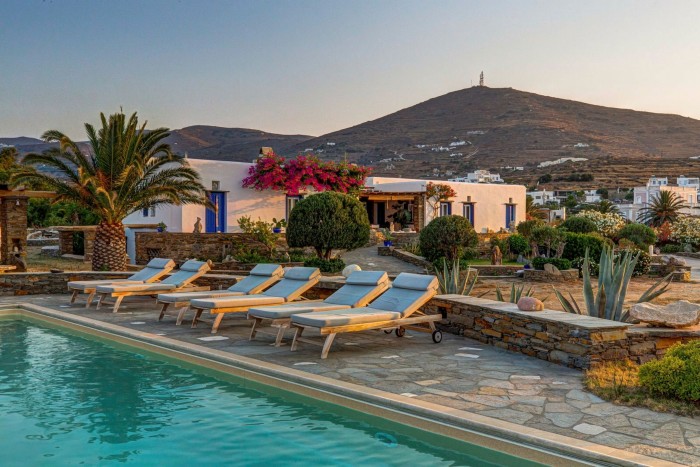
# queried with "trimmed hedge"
point(578, 225)
point(676, 375)
point(560, 263)
point(671, 248)
point(577, 243)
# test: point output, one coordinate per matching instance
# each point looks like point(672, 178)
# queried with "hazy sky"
point(317, 66)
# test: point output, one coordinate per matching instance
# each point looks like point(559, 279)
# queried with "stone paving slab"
point(490, 381)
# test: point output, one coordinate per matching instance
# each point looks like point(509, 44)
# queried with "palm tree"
point(129, 169)
point(606, 206)
point(664, 207)
point(532, 211)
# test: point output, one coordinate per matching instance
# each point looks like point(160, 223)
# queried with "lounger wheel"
point(437, 337)
point(400, 332)
point(388, 331)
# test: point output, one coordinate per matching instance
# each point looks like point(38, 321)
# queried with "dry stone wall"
point(183, 246)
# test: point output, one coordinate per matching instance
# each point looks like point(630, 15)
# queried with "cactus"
point(515, 293)
point(450, 280)
point(613, 280)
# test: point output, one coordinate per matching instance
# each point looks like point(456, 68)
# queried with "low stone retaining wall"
point(576, 341)
point(573, 340)
point(490, 270)
point(565, 275)
point(38, 283)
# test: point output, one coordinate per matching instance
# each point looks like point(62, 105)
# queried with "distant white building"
point(478, 176)
point(542, 197)
point(592, 196)
point(686, 189)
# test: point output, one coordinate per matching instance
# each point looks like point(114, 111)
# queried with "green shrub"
point(671, 248)
point(676, 375)
point(643, 265)
point(470, 253)
point(577, 243)
point(578, 224)
point(560, 263)
point(447, 236)
point(501, 243)
point(326, 221)
point(518, 244)
point(639, 234)
point(326, 265)
point(525, 228)
point(593, 266)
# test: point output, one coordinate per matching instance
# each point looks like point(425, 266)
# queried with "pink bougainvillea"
point(273, 172)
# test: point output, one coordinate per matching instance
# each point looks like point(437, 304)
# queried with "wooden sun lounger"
point(260, 278)
point(295, 282)
point(360, 288)
point(180, 281)
point(396, 309)
point(154, 271)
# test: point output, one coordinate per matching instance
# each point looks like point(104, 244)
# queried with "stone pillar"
point(419, 212)
point(89, 244)
point(65, 242)
point(13, 231)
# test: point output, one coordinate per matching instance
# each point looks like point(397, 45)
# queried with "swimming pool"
point(66, 398)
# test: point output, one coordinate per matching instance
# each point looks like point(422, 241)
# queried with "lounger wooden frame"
point(422, 323)
point(220, 312)
point(282, 324)
point(119, 296)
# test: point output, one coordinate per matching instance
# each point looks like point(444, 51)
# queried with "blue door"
point(510, 215)
point(216, 218)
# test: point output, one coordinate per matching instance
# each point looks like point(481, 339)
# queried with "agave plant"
point(615, 272)
point(515, 293)
point(451, 282)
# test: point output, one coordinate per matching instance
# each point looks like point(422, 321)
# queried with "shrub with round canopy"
point(328, 221)
point(447, 237)
point(578, 224)
point(641, 235)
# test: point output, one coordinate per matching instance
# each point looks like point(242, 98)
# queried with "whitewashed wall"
point(239, 201)
point(490, 199)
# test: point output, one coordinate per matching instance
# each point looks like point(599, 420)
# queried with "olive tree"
point(328, 221)
point(447, 237)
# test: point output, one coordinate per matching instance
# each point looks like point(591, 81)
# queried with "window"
point(215, 185)
point(445, 208)
point(468, 212)
point(510, 215)
point(144, 212)
point(149, 212)
point(291, 202)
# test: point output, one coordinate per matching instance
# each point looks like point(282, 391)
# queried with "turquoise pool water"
point(66, 399)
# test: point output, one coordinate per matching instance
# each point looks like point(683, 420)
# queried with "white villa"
point(487, 206)
point(686, 189)
point(478, 176)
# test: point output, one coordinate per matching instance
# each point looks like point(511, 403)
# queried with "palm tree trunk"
point(109, 250)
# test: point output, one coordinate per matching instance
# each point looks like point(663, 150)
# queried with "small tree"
point(447, 237)
point(328, 221)
point(550, 238)
point(436, 192)
point(260, 231)
point(641, 235)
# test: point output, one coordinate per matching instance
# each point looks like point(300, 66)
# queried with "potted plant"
point(402, 215)
point(161, 227)
point(278, 225)
point(388, 237)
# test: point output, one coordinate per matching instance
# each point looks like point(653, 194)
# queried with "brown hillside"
point(506, 127)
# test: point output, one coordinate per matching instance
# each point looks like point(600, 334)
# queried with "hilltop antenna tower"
point(481, 80)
